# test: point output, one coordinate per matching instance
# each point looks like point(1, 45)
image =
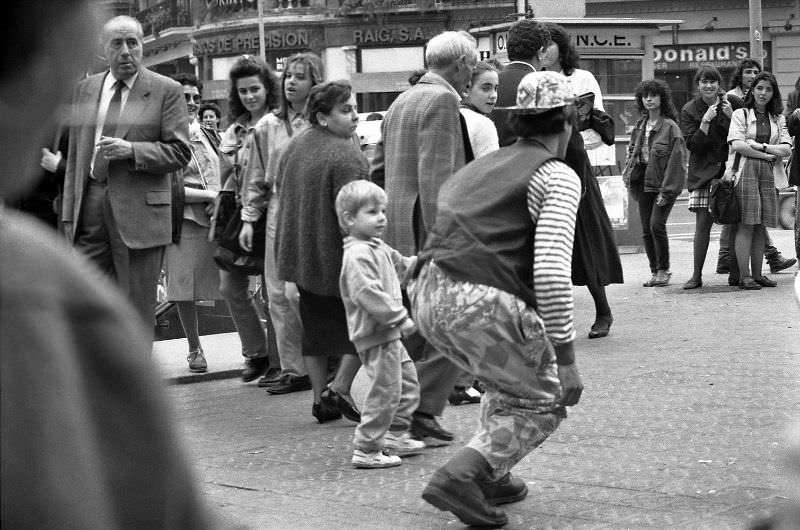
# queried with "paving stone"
point(681, 425)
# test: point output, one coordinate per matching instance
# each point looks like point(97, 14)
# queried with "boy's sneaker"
point(376, 460)
point(402, 444)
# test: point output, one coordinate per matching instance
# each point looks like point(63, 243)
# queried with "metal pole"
point(262, 51)
point(756, 30)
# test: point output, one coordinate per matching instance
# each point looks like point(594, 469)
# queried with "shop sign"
point(686, 57)
point(590, 39)
point(388, 35)
point(248, 42)
point(381, 34)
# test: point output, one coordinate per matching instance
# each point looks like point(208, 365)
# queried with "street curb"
point(199, 378)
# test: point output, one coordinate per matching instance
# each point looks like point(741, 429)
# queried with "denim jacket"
point(666, 163)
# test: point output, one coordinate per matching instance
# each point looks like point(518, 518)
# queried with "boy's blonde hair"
point(355, 195)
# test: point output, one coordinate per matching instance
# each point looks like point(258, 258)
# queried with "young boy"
point(376, 320)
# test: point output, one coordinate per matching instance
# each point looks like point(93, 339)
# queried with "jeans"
point(234, 287)
point(284, 300)
point(654, 230)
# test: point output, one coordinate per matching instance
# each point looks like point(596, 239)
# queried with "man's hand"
point(115, 148)
point(50, 160)
point(246, 236)
point(571, 384)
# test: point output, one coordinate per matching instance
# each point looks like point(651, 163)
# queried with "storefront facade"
point(377, 52)
point(619, 52)
point(714, 32)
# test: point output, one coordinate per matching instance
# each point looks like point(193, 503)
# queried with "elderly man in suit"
point(423, 145)
point(129, 130)
point(527, 40)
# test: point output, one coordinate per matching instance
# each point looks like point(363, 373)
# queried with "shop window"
point(616, 75)
point(399, 59)
point(375, 101)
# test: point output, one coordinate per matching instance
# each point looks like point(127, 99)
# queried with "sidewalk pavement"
point(223, 350)
point(682, 424)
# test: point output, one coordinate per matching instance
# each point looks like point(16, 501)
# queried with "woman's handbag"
point(603, 124)
point(226, 225)
point(722, 202)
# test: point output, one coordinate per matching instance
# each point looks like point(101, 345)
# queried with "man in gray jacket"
point(423, 145)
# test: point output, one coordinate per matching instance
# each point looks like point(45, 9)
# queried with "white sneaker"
point(402, 444)
point(376, 460)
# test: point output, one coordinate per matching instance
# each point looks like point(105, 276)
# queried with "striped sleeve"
point(554, 191)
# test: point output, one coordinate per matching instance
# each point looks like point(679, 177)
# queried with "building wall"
point(376, 51)
point(731, 28)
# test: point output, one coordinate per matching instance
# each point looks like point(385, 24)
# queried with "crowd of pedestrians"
point(445, 266)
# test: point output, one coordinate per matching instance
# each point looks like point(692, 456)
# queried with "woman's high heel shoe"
point(324, 411)
point(601, 326)
point(341, 404)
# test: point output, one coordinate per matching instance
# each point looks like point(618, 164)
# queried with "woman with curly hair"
point(253, 94)
point(655, 172)
point(302, 71)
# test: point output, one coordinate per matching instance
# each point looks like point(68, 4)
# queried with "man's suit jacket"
point(508, 81)
point(155, 121)
point(422, 147)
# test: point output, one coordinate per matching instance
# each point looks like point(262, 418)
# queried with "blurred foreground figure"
point(86, 438)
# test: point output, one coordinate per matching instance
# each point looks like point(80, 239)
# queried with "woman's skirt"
point(191, 272)
point(595, 259)
point(758, 200)
point(324, 325)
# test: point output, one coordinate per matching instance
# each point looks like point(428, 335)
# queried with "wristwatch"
point(764, 148)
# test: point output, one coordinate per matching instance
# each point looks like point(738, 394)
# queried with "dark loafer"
point(290, 383)
point(693, 283)
point(425, 425)
point(765, 282)
point(254, 368)
point(749, 284)
point(272, 377)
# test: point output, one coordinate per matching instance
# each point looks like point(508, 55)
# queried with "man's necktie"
point(100, 165)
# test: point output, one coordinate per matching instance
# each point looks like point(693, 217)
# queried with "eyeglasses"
point(193, 98)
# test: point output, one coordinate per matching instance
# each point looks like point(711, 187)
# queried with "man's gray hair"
point(445, 48)
point(122, 20)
